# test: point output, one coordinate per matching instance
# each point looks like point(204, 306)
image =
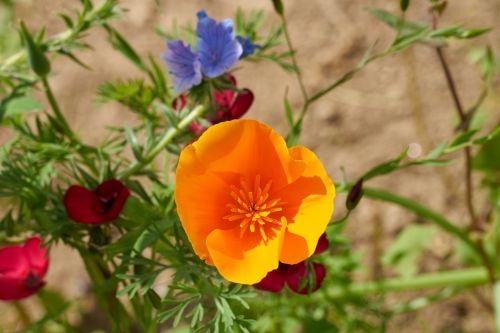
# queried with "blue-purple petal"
point(247, 45)
point(217, 46)
point(183, 64)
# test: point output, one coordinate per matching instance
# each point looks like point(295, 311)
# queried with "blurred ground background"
point(394, 102)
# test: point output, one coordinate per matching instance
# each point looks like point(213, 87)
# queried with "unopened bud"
point(278, 6)
point(354, 195)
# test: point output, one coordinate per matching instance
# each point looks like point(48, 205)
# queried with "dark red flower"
point(179, 103)
point(102, 205)
point(230, 105)
point(300, 281)
point(22, 268)
point(322, 245)
point(297, 277)
point(274, 280)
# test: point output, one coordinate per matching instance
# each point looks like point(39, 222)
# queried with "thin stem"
point(294, 59)
point(451, 83)
point(423, 211)
point(470, 277)
point(438, 219)
point(169, 135)
point(463, 120)
point(23, 314)
point(496, 299)
point(55, 107)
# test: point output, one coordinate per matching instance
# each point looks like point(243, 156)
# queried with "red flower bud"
point(102, 205)
point(22, 268)
point(179, 103)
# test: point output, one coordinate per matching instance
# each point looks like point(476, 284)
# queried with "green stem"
point(169, 135)
point(55, 107)
point(423, 211)
point(23, 314)
point(469, 277)
point(294, 60)
point(496, 298)
point(105, 293)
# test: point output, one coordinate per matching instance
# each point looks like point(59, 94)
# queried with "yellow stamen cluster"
point(253, 208)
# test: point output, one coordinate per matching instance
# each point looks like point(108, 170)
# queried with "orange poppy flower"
point(247, 202)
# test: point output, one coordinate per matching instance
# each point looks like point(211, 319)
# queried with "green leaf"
point(37, 60)
point(488, 157)
point(458, 32)
point(405, 251)
point(395, 21)
point(120, 44)
point(22, 105)
point(289, 112)
point(139, 211)
point(52, 301)
point(386, 167)
point(461, 140)
point(438, 150)
point(406, 40)
point(134, 144)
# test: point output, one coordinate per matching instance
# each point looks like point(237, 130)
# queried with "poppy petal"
point(323, 244)
point(115, 192)
point(244, 260)
point(13, 261)
point(310, 200)
point(242, 103)
point(273, 282)
point(194, 182)
point(243, 147)
point(11, 289)
point(81, 204)
point(36, 255)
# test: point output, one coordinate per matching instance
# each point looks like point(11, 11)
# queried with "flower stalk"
point(169, 135)
point(470, 277)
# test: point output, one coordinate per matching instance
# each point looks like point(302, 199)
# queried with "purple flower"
point(217, 46)
point(183, 64)
point(247, 45)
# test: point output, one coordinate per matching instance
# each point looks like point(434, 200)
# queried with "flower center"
point(32, 281)
point(253, 208)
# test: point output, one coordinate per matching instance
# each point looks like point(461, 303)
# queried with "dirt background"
point(394, 102)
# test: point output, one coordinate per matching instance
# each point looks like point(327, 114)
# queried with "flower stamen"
point(252, 207)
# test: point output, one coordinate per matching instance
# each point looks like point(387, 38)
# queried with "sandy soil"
point(394, 102)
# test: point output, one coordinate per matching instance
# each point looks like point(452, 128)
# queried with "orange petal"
point(244, 147)
point(201, 198)
point(244, 260)
point(310, 206)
